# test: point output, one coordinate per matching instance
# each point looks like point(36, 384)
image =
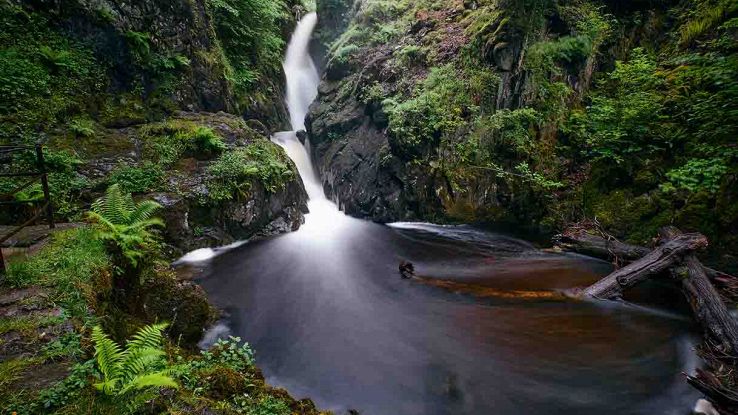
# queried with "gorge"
point(314, 207)
point(331, 319)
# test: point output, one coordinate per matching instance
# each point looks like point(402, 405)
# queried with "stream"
point(330, 318)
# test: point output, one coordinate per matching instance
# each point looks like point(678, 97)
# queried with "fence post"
point(45, 185)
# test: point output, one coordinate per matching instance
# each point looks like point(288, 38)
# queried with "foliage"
point(705, 16)
point(622, 123)
point(44, 75)
point(228, 353)
point(70, 263)
point(125, 223)
point(697, 175)
point(167, 142)
point(138, 179)
point(440, 106)
point(67, 390)
point(232, 174)
point(249, 33)
point(133, 373)
point(82, 127)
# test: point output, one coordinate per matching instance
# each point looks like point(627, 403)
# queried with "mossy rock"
point(181, 303)
point(225, 382)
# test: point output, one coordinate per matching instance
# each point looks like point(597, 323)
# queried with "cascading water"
point(302, 89)
point(329, 317)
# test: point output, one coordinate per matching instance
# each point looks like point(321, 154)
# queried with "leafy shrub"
point(697, 175)
point(622, 121)
point(230, 176)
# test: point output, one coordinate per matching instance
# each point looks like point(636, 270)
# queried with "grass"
point(26, 324)
point(74, 264)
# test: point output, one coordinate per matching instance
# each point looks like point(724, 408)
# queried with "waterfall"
point(302, 75)
point(302, 89)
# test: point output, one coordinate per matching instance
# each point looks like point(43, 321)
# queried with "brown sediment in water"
point(481, 291)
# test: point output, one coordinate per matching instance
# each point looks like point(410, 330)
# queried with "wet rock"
point(302, 136)
point(704, 407)
point(407, 270)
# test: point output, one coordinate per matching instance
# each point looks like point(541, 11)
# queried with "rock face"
point(364, 167)
point(193, 217)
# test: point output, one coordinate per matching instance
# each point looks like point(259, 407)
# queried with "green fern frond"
point(151, 380)
point(125, 222)
point(107, 353)
point(147, 337)
point(143, 211)
point(140, 361)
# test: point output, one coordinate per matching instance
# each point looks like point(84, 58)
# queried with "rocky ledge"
point(218, 179)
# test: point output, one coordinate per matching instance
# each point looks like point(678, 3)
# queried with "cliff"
point(538, 113)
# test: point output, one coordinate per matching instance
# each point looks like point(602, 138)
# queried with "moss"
point(26, 324)
point(224, 382)
point(231, 176)
point(184, 305)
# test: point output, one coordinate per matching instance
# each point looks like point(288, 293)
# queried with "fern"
point(141, 367)
point(125, 222)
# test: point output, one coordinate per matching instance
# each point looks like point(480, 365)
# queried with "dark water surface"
point(330, 319)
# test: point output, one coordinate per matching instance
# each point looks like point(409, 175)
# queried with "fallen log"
point(610, 249)
point(707, 305)
point(660, 259)
point(584, 243)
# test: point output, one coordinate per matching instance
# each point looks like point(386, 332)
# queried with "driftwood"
point(676, 253)
point(610, 249)
point(660, 259)
point(707, 306)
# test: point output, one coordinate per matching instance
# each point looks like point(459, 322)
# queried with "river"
point(330, 318)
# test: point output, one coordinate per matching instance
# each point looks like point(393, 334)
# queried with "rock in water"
point(407, 269)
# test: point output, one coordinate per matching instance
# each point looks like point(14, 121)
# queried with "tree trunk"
point(658, 260)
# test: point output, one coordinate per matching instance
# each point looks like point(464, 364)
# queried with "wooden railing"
point(6, 154)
